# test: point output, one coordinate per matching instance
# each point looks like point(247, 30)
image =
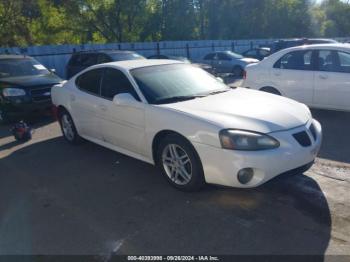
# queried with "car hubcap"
point(177, 164)
point(67, 127)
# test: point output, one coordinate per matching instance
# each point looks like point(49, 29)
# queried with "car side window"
point(250, 52)
point(209, 56)
point(115, 82)
point(222, 56)
point(74, 60)
point(327, 61)
point(90, 81)
point(103, 58)
point(264, 52)
point(88, 59)
point(296, 60)
point(344, 62)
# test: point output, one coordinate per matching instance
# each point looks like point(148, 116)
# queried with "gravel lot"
point(62, 199)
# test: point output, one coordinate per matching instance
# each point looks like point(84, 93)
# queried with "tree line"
point(41, 22)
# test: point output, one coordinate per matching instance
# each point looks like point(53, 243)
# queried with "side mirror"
point(220, 79)
point(124, 99)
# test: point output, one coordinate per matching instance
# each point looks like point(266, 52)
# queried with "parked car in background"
point(171, 57)
point(228, 62)
point(283, 44)
point(317, 75)
point(205, 67)
point(182, 119)
point(258, 53)
point(81, 60)
point(25, 86)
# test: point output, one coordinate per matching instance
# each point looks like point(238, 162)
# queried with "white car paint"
point(130, 129)
point(315, 87)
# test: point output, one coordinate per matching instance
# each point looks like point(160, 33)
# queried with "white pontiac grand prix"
point(187, 122)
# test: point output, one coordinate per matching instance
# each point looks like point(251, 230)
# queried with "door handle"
point(323, 76)
point(72, 98)
point(103, 107)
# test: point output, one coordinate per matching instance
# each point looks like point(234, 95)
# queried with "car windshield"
point(234, 55)
point(125, 56)
point(176, 82)
point(14, 67)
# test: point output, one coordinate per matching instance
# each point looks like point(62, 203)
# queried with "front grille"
point(302, 138)
point(313, 131)
point(41, 94)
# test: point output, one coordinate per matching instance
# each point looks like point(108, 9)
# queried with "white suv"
point(317, 75)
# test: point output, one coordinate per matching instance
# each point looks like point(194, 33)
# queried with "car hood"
point(249, 60)
point(35, 80)
point(246, 109)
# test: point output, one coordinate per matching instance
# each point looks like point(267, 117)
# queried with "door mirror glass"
point(124, 99)
point(220, 79)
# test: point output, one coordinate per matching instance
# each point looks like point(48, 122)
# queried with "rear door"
point(293, 75)
point(85, 101)
point(332, 80)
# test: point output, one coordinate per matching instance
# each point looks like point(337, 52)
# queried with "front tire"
point(68, 128)
point(180, 163)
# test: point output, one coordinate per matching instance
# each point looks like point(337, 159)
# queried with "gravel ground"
point(62, 199)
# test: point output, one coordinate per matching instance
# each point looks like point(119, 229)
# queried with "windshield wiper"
point(218, 92)
point(177, 99)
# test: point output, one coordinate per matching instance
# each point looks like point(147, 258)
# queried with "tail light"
point(244, 74)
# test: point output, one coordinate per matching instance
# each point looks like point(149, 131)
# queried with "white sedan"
point(191, 125)
point(317, 75)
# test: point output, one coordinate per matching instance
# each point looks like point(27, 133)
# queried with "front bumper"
point(221, 166)
point(23, 105)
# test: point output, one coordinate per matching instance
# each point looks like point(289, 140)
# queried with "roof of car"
point(132, 64)
point(322, 46)
point(111, 51)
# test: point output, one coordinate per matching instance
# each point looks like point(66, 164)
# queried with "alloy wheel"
point(67, 127)
point(177, 164)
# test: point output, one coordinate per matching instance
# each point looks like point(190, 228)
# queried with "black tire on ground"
point(237, 71)
point(196, 182)
point(271, 90)
point(72, 135)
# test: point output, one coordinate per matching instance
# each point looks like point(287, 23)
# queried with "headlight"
point(246, 140)
point(13, 92)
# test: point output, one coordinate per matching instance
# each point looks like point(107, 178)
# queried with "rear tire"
point(68, 128)
point(180, 164)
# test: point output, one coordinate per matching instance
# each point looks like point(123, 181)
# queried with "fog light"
point(245, 175)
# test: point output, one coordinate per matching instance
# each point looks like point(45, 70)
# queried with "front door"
point(122, 126)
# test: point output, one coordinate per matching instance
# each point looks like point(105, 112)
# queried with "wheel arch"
point(271, 89)
point(61, 109)
point(160, 136)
